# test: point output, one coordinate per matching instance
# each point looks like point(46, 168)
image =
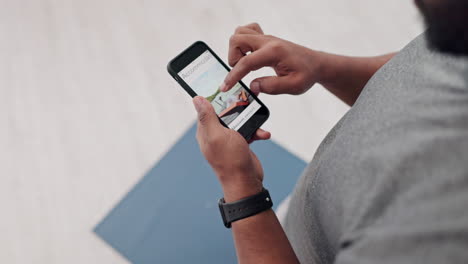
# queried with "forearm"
point(260, 238)
point(345, 77)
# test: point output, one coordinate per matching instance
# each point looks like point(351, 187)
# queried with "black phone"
point(201, 72)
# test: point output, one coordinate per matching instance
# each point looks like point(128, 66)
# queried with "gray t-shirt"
point(389, 184)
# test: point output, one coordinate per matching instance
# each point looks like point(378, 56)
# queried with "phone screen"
point(205, 76)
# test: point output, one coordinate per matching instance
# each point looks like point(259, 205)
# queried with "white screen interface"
point(205, 76)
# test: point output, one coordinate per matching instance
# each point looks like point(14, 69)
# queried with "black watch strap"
point(244, 208)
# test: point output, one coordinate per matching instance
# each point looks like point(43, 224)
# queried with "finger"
point(241, 44)
point(275, 84)
point(208, 122)
point(254, 88)
point(260, 134)
point(252, 28)
point(251, 62)
point(245, 30)
point(255, 26)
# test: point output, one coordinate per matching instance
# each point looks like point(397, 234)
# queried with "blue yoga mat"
point(171, 215)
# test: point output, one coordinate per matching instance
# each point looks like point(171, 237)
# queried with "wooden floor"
point(86, 105)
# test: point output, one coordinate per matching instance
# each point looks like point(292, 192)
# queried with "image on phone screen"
point(205, 76)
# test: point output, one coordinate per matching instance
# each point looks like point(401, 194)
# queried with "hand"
point(238, 169)
point(297, 68)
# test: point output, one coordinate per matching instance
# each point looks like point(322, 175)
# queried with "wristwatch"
point(244, 208)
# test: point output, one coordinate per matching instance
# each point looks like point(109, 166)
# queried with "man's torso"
point(391, 178)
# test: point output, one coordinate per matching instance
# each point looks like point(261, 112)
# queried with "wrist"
point(319, 67)
point(327, 67)
point(235, 191)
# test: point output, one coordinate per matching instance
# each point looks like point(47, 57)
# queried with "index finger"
point(240, 44)
point(253, 61)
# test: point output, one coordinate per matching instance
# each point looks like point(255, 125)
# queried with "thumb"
point(270, 84)
point(207, 118)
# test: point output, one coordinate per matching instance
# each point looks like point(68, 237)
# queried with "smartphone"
point(201, 72)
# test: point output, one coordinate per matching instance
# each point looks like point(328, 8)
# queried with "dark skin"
point(260, 238)
point(297, 68)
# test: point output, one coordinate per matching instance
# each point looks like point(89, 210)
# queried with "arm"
point(259, 238)
point(297, 68)
point(345, 77)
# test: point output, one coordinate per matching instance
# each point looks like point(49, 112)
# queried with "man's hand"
point(259, 238)
point(297, 67)
point(238, 169)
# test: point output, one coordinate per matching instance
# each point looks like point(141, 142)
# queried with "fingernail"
point(223, 87)
point(198, 103)
point(255, 87)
